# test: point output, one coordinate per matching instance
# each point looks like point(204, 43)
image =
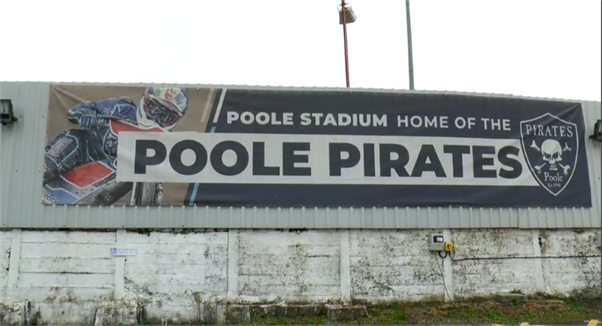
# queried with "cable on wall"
point(523, 257)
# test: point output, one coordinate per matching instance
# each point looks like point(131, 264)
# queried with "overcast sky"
point(541, 48)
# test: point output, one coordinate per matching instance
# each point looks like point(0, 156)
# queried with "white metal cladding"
point(21, 155)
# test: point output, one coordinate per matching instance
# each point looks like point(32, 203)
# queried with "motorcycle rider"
point(161, 107)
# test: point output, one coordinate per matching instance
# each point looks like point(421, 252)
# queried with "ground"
point(539, 312)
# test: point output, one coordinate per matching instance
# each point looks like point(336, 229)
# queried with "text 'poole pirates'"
point(387, 160)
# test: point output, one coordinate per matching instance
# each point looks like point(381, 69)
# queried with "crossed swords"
point(565, 168)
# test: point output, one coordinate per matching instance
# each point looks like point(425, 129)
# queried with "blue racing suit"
point(93, 142)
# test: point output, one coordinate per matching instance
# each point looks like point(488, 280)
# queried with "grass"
point(574, 304)
point(469, 312)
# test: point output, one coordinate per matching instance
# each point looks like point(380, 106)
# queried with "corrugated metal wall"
point(21, 155)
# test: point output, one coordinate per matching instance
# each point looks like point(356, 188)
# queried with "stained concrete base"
point(120, 313)
point(346, 313)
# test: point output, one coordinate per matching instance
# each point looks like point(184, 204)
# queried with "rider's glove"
point(87, 121)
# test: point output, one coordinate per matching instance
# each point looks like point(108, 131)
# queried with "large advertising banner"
point(200, 146)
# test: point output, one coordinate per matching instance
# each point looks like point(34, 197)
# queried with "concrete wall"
point(288, 265)
point(5, 239)
point(173, 265)
point(487, 277)
point(182, 273)
point(393, 265)
point(565, 275)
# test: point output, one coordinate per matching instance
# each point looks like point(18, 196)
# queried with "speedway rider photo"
point(80, 164)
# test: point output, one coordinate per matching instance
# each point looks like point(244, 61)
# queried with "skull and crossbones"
point(551, 151)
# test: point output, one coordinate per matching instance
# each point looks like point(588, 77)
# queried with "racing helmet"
point(164, 106)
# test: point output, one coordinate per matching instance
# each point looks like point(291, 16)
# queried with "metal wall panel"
point(21, 155)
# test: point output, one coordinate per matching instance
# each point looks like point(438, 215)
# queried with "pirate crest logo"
point(550, 146)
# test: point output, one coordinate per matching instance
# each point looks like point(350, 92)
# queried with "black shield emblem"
point(550, 146)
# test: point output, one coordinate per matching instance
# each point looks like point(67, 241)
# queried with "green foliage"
point(574, 303)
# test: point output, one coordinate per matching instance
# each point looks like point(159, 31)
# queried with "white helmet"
point(164, 106)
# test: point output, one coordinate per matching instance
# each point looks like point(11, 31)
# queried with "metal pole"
point(345, 37)
point(410, 57)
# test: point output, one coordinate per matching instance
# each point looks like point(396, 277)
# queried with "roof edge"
point(306, 88)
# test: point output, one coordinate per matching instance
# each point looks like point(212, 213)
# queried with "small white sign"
point(123, 252)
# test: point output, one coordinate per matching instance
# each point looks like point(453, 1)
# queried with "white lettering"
point(275, 121)
point(404, 121)
point(329, 120)
point(305, 120)
point(430, 123)
point(344, 119)
point(247, 118)
point(460, 123)
point(364, 120)
point(471, 122)
point(552, 178)
point(263, 118)
point(232, 116)
point(382, 121)
point(548, 131)
point(317, 117)
point(485, 123)
point(287, 119)
point(416, 121)
point(443, 122)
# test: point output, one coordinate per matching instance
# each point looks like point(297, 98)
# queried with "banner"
point(177, 146)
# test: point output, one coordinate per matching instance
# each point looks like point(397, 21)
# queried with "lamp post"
point(410, 56)
point(346, 16)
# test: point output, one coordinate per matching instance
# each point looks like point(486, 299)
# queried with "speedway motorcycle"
point(95, 183)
